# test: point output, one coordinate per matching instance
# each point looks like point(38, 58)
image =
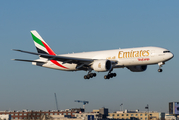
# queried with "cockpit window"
point(166, 51)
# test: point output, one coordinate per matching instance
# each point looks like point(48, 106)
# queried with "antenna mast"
point(56, 101)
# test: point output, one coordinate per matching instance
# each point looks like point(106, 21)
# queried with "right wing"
point(63, 59)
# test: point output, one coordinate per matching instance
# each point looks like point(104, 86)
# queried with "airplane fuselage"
point(124, 57)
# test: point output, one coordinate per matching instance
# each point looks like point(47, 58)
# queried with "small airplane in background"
point(135, 59)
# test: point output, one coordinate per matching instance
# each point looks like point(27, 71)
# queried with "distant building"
point(68, 114)
point(37, 114)
point(102, 113)
point(79, 114)
point(85, 116)
point(170, 117)
point(62, 117)
point(136, 115)
point(5, 117)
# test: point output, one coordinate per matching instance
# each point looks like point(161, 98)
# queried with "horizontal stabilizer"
point(29, 60)
point(26, 52)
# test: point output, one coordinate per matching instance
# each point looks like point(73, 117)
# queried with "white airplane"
point(135, 59)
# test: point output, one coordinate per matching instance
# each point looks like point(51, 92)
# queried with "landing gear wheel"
point(94, 74)
point(85, 77)
point(113, 74)
point(106, 77)
point(90, 75)
point(160, 70)
point(110, 75)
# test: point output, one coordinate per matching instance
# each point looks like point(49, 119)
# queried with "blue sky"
point(77, 26)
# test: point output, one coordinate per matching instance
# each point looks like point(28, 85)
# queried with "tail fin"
point(40, 44)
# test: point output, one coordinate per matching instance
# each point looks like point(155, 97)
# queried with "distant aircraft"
point(135, 59)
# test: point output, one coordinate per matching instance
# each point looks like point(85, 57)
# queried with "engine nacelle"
point(138, 68)
point(102, 65)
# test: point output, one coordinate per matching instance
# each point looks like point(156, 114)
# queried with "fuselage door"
point(152, 53)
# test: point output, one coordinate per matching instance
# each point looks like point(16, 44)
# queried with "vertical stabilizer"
point(40, 44)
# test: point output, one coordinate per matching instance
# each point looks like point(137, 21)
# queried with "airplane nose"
point(169, 56)
point(172, 55)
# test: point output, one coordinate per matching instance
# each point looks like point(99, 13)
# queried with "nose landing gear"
point(160, 70)
point(160, 65)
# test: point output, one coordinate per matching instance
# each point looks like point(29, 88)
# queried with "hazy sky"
point(78, 26)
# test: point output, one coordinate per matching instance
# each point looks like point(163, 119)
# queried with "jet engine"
point(138, 68)
point(101, 65)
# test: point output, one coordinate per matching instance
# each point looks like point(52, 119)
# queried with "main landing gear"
point(110, 75)
point(90, 75)
point(160, 65)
